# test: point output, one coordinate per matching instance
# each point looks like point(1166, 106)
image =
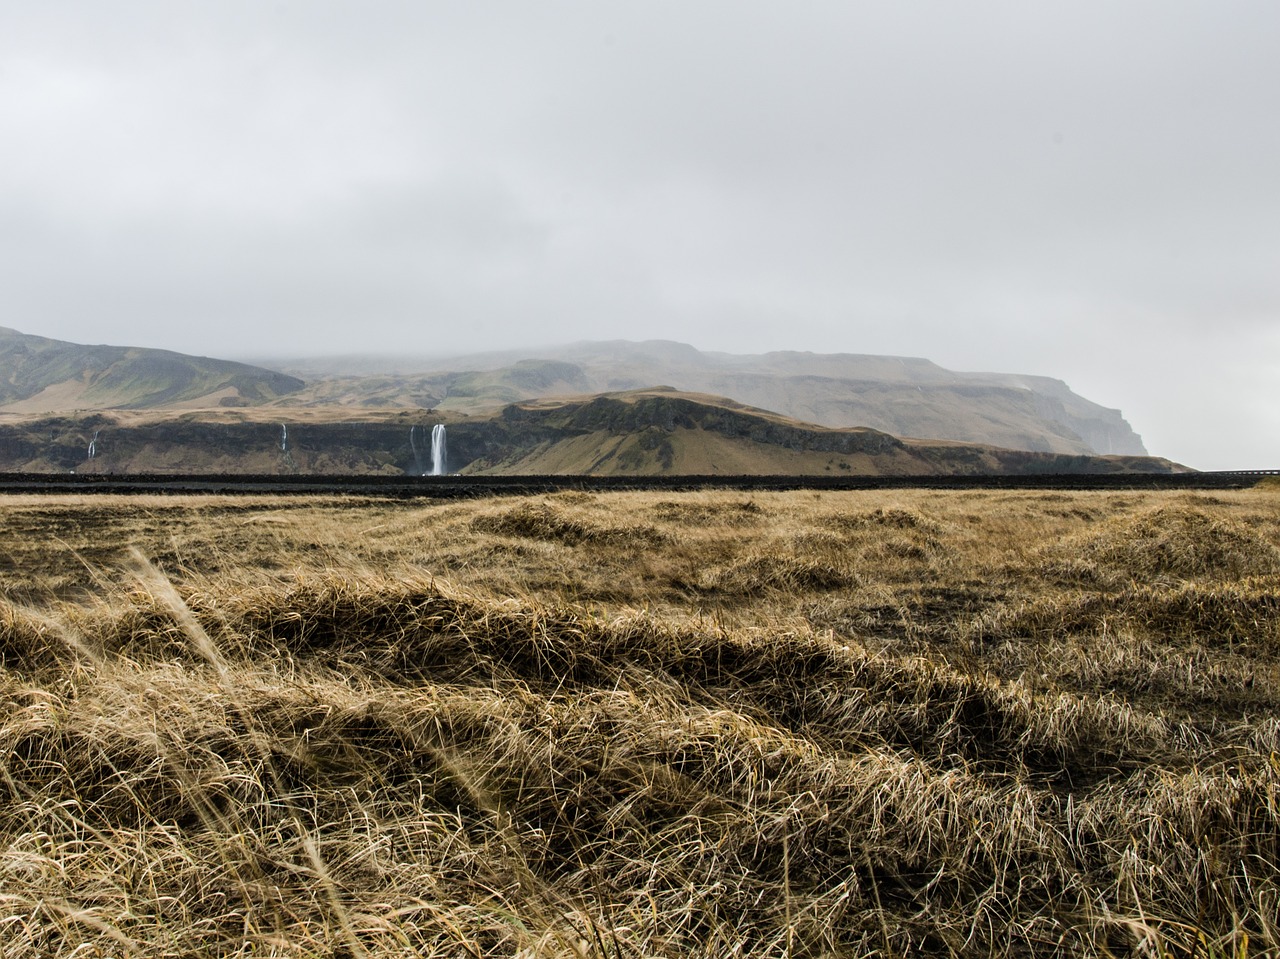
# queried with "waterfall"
point(287, 456)
point(93, 444)
point(439, 455)
point(418, 466)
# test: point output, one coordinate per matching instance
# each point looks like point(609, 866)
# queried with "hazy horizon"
point(1077, 190)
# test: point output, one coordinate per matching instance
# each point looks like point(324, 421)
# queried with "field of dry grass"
point(641, 724)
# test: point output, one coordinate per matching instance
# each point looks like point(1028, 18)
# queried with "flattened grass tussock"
point(686, 726)
point(771, 571)
point(543, 521)
point(1180, 542)
point(1242, 616)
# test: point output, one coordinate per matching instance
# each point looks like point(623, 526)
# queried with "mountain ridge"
point(43, 375)
point(651, 432)
point(905, 396)
point(908, 397)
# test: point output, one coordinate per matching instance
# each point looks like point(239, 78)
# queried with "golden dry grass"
point(627, 724)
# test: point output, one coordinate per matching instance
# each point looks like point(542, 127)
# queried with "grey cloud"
point(1077, 189)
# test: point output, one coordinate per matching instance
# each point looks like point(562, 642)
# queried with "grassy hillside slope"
point(900, 396)
point(903, 396)
point(658, 431)
point(39, 375)
point(643, 432)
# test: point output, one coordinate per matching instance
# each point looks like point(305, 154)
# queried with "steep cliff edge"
point(644, 432)
point(904, 396)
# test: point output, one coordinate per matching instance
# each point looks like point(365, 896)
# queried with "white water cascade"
point(284, 438)
point(93, 445)
point(439, 454)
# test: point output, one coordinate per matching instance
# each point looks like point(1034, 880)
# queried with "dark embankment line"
point(455, 487)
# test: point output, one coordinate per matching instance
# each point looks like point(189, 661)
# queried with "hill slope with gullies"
point(591, 409)
point(665, 431)
point(656, 432)
point(40, 375)
point(903, 396)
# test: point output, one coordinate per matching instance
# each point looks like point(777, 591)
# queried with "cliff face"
point(904, 396)
point(1102, 429)
point(668, 423)
point(901, 396)
point(642, 433)
point(671, 413)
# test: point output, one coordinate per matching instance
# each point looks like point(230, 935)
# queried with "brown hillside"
point(903, 396)
point(39, 375)
point(644, 432)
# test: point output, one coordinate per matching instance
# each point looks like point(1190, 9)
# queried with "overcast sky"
point(1086, 189)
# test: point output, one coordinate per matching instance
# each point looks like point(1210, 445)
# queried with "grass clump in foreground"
point(275, 730)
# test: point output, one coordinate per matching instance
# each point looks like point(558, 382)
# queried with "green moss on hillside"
point(43, 375)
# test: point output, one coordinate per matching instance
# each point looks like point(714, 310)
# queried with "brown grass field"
point(641, 724)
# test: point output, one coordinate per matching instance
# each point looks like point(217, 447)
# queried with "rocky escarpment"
point(902, 396)
point(670, 413)
point(648, 432)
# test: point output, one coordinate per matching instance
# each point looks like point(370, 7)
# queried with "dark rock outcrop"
point(627, 433)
